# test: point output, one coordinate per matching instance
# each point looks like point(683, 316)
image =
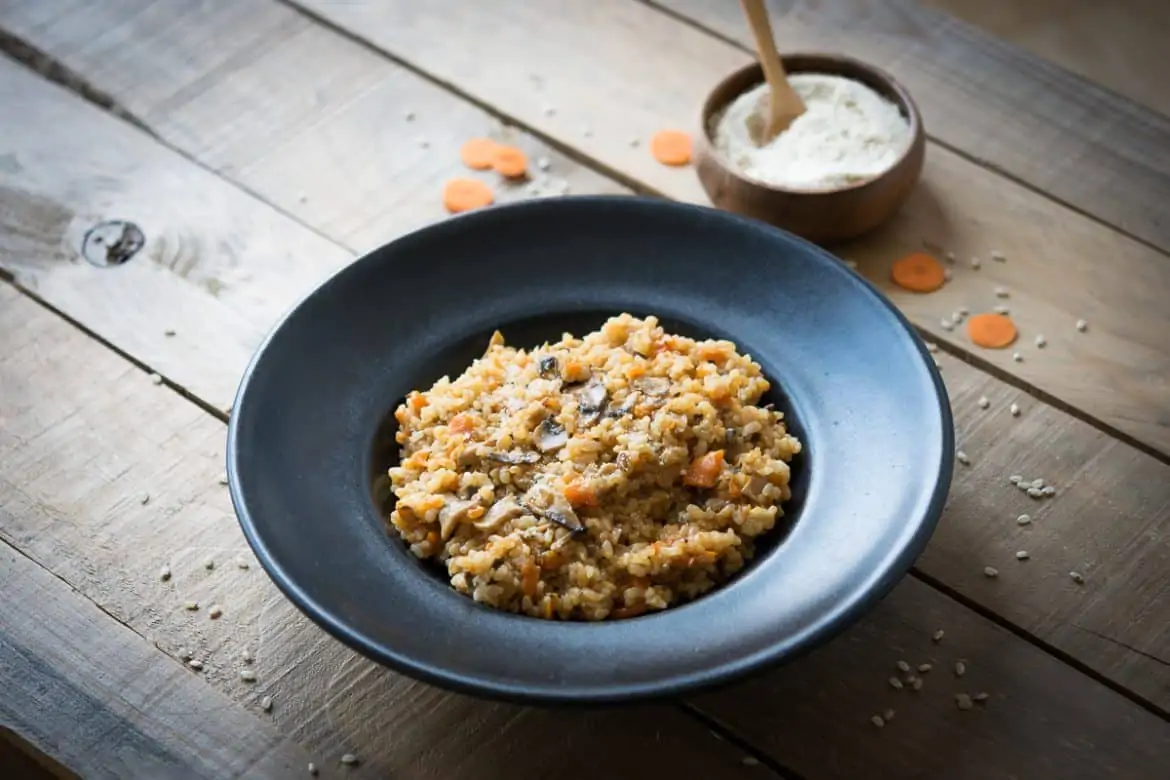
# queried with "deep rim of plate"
point(860, 598)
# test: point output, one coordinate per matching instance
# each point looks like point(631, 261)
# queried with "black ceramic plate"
point(307, 446)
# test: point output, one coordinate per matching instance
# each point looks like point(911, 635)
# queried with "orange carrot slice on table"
point(478, 153)
point(466, 194)
point(510, 162)
point(918, 272)
point(992, 331)
point(671, 147)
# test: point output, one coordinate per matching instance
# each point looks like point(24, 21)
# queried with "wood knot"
point(111, 243)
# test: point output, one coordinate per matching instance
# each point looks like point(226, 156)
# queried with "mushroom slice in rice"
point(548, 367)
point(591, 401)
point(453, 513)
point(501, 512)
point(550, 435)
point(545, 502)
point(653, 385)
point(514, 457)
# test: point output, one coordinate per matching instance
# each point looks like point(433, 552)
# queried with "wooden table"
point(259, 146)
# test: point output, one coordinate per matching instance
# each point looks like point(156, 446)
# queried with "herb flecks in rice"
point(597, 477)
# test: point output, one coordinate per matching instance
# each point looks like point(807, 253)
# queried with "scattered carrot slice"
point(993, 331)
point(466, 194)
point(671, 147)
point(510, 162)
point(704, 472)
point(478, 153)
point(461, 423)
point(579, 494)
point(918, 272)
point(530, 574)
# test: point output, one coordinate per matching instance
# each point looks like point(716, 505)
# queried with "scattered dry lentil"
point(169, 332)
point(1015, 410)
point(1016, 356)
point(957, 316)
point(1077, 577)
point(1036, 492)
point(164, 573)
point(247, 656)
point(998, 256)
point(931, 347)
point(1082, 325)
point(156, 379)
point(903, 666)
point(1022, 555)
point(963, 701)
point(1001, 309)
point(917, 684)
point(877, 720)
point(750, 761)
point(938, 636)
point(963, 310)
point(990, 572)
point(950, 257)
point(186, 654)
point(984, 402)
point(1049, 490)
point(962, 458)
point(191, 606)
point(1023, 520)
point(1015, 479)
point(1041, 341)
point(924, 668)
point(266, 704)
point(888, 715)
point(195, 664)
point(214, 611)
point(960, 668)
point(543, 163)
point(312, 769)
point(1001, 292)
point(948, 274)
point(222, 479)
point(242, 562)
point(976, 263)
point(981, 696)
point(349, 759)
point(1038, 482)
point(247, 675)
point(946, 324)
point(895, 683)
point(144, 499)
point(209, 563)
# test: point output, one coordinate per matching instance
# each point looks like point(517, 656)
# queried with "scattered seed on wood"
point(948, 274)
point(1001, 309)
point(963, 701)
point(164, 573)
point(543, 163)
point(186, 654)
point(169, 332)
point(903, 666)
point(195, 664)
point(247, 675)
point(946, 324)
point(1035, 493)
point(247, 656)
point(878, 721)
point(957, 316)
point(1016, 356)
point(895, 683)
point(222, 479)
point(924, 668)
point(1022, 555)
point(998, 256)
point(1015, 410)
point(963, 310)
point(938, 636)
point(214, 611)
point(349, 759)
point(191, 605)
point(312, 769)
point(266, 704)
point(1082, 325)
point(917, 684)
point(990, 572)
point(937, 364)
point(242, 562)
point(144, 499)
point(1001, 292)
point(1049, 490)
point(1038, 482)
point(962, 458)
point(1023, 520)
point(931, 347)
point(888, 715)
point(408, 116)
point(209, 563)
point(156, 379)
point(1015, 479)
point(960, 668)
point(950, 256)
point(976, 263)
point(750, 761)
point(1077, 577)
point(981, 696)
point(1041, 341)
point(984, 402)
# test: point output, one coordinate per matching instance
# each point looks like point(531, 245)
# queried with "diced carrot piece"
point(433, 538)
point(461, 423)
point(417, 401)
point(575, 371)
point(530, 578)
point(581, 494)
point(704, 472)
point(400, 415)
point(552, 560)
point(635, 370)
point(476, 512)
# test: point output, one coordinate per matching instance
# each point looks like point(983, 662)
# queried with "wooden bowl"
point(821, 216)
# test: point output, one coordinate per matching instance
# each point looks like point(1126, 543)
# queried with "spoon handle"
point(786, 101)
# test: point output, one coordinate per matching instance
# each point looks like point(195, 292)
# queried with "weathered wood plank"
point(1119, 45)
point(1127, 485)
point(1062, 134)
point(105, 702)
point(77, 463)
point(1054, 269)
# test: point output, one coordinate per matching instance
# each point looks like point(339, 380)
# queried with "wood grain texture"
point(1120, 44)
point(1060, 133)
point(70, 417)
point(103, 701)
point(1111, 509)
point(77, 462)
point(1055, 272)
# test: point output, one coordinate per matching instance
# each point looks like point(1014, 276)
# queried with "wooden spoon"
point(783, 104)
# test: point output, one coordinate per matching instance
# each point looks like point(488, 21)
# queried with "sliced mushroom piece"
point(545, 502)
point(548, 367)
point(514, 457)
point(453, 513)
point(502, 511)
point(754, 489)
point(653, 385)
point(550, 435)
point(564, 519)
point(591, 401)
